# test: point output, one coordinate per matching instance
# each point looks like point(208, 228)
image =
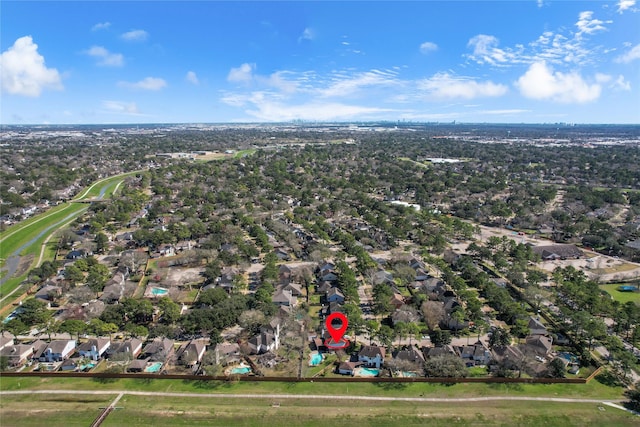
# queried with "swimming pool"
point(156, 292)
point(316, 359)
point(154, 367)
point(87, 366)
point(367, 372)
point(241, 370)
point(570, 357)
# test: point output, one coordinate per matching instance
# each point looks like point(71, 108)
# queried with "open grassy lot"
point(593, 389)
point(51, 410)
point(167, 411)
point(617, 295)
point(70, 410)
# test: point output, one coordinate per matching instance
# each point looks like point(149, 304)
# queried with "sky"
point(527, 61)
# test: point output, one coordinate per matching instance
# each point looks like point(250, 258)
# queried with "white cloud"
point(101, 26)
point(23, 71)
point(348, 84)
point(621, 84)
point(625, 4)
point(540, 3)
point(486, 50)
point(135, 35)
point(121, 107)
point(242, 74)
point(148, 83)
point(307, 34)
point(106, 58)
point(444, 85)
point(191, 77)
point(542, 83)
point(632, 55)
point(587, 25)
point(428, 47)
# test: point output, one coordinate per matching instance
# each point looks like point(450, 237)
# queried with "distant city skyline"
point(81, 62)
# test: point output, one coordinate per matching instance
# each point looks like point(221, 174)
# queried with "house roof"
point(348, 366)
point(128, 346)
point(158, 345)
point(58, 346)
point(335, 291)
point(371, 351)
point(193, 351)
point(226, 349)
point(99, 343)
point(410, 354)
point(138, 364)
point(284, 297)
point(541, 342)
point(557, 251)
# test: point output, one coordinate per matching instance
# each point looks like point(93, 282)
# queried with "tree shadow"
point(609, 379)
point(204, 384)
point(391, 386)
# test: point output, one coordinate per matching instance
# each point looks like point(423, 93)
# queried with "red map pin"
point(336, 333)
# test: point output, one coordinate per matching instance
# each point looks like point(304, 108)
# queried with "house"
point(131, 347)
point(335, 295)
point(94, 348)
point(227, 353)
point(56, 351)
point(76, 254)
point(372, 355)
point(49, 292)
point(138, 365)
point(508, 357)
point(332, 307)
point(476, 354)
point(382, 276)
point(323, 287)
point(6, 339)
point(347, 368)
point(283, 297)
point(397, 300)
point(158, 350)
point(294, 288)
point(192, 353)
point(438, 351)
point(328, 277)
point(282, 254)
point(539, 344)
point(262, 343)
point(404, 313)
point(17, 355)
point(410, 354)
point(536, 327)
point(559, 251)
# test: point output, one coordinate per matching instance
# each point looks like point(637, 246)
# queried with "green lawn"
point(593, 389)
point(623, 297)
point(71, 410)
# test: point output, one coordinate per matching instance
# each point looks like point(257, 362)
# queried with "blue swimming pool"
point(154, 367)
point(316, 359)
point(367, 372)
point(569, 357)
point(242, 370)
point(157, 292)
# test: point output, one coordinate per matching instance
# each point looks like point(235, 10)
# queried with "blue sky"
point(212, 61)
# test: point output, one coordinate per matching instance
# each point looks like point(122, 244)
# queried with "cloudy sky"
point(213, 61)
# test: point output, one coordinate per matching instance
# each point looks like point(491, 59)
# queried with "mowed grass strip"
point(592, 390)
point(51, 409)
point(176, 411)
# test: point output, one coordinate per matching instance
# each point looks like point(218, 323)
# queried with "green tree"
point(102, 242)
point(73, 274)
point(445, 366)
point(73, 327)
point(170, 311)
point(34, 312)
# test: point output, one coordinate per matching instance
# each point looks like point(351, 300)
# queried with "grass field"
point(612, 289)
point(593, 389)
point(64, 410)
